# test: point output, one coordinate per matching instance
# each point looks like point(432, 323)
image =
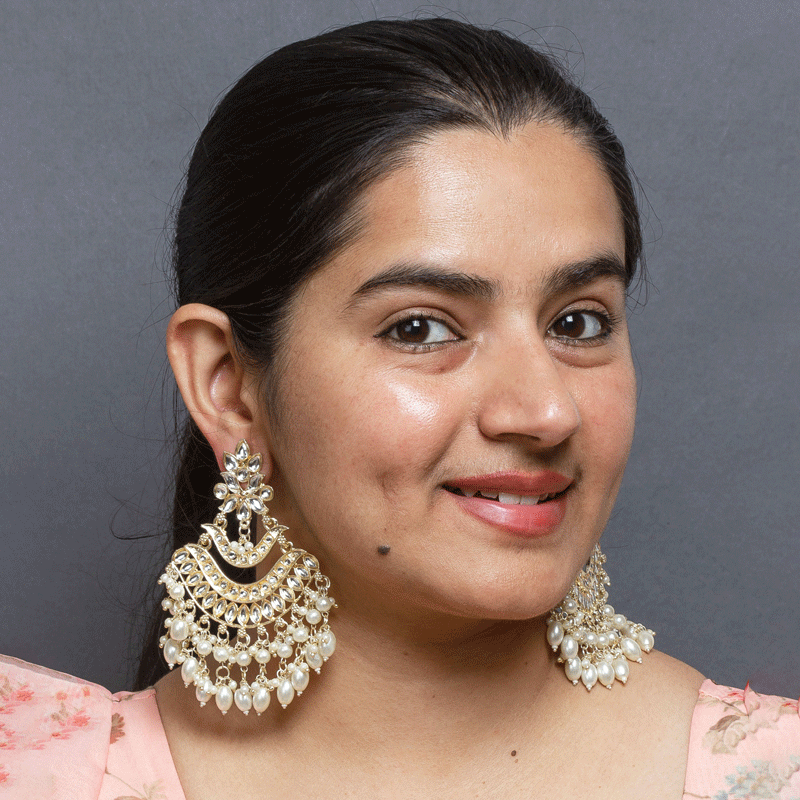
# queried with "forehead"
point(510, 209)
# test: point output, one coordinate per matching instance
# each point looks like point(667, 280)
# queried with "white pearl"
point(327, 644)
point(573, 669)
point(171, 651)
point(313, 616)
point(608, 610)
point(646, 640)
point(569, 647)
point(243, 658)
point(605, 673)
point(555, 633)
point(569, 606)
point(300, 633)
point(313, 656)
point(262, 655)
point(324, 604)
point(631, 649)
point(284, 650)
point(202, 694)
point(261, 699)
point(166, 604)
point(221, 653)
point(204, 647)
point(589, 676)
point(299, 679)
point(243, 700)
point(621, 669)
point(590, 638)
point(179, 630)
point(176, 591)
point(189, 669)
point(619, 621)
point(602, 640)
point(224, 698)
point(285, 693)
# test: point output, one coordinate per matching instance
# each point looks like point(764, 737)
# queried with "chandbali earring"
point(593, 642)
point(209, 614)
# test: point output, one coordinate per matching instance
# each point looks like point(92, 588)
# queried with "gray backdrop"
point(102, 102)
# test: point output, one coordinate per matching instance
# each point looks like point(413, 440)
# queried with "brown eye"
point(421, 331)
point(579, 325)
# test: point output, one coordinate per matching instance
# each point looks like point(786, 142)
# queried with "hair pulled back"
point(273, 185)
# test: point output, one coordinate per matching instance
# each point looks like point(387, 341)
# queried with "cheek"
point(607, 405)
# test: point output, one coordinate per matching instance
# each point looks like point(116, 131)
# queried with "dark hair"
point(273, 185)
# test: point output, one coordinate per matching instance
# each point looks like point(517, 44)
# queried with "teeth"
point(489, 495)
point(530, 501)
point(470, 492)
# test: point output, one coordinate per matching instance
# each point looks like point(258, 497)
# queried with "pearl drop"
point(589, 676)
point(621, 669)
point(602, 640)
point(285, 693)
point(590, 638)
point(313, 616)
point(573, 669)
point(224, 698)
point(202, 694)
point(608, 610)
point(569, 647)
point(189, 669)
point(262, 655)
point(243, 658)
point(327, 644)
point(299, 679)
point(300, 634)
point(324, 604)
point(619, 621)
point(605, 673)
point(166, 604)
point(646, 640)
point(171, 651)
point(555, 633)
point(261, 699)
point(179, 630)
point(204, 647)
point(313, 657)
point(284, 650)
point(221, 653)
point(631, 649)
point(243, 700)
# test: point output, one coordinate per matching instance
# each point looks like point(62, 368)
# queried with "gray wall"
point(102, 102)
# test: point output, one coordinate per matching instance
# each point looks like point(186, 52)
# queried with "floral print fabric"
point(743, 745)
point(65, 739)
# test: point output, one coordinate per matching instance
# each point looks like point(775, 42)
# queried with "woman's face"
point(472, 339)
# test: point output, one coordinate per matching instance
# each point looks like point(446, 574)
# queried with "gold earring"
point(594, 642)
point(205, 605)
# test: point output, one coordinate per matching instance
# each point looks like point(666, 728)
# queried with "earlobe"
point(213, 384)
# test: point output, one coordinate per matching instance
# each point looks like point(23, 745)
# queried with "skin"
point(444, 631)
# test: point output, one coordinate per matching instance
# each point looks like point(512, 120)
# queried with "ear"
point(217, 391)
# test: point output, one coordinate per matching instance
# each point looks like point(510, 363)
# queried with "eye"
point(582, 326)
point(420, 331)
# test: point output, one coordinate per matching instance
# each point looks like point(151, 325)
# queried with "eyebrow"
point(565, 278)
point(432, 277)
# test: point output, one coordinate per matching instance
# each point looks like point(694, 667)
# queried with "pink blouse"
point(62, 738)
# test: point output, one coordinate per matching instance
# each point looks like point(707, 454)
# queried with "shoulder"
point(55, 732)
point(742, 743)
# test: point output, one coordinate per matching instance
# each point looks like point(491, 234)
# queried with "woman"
point(402, 258)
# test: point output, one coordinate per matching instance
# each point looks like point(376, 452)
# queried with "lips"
point(524, 504)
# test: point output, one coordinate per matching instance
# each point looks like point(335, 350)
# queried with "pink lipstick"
point(525, 504)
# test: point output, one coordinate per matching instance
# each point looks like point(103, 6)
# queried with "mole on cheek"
point(384, 549)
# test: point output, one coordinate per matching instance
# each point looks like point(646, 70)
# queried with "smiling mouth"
point(507, 498)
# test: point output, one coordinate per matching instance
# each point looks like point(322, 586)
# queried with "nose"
point(525, 395)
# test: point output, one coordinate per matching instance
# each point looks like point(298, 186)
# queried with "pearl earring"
point(593, 641)
point(205, 606)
